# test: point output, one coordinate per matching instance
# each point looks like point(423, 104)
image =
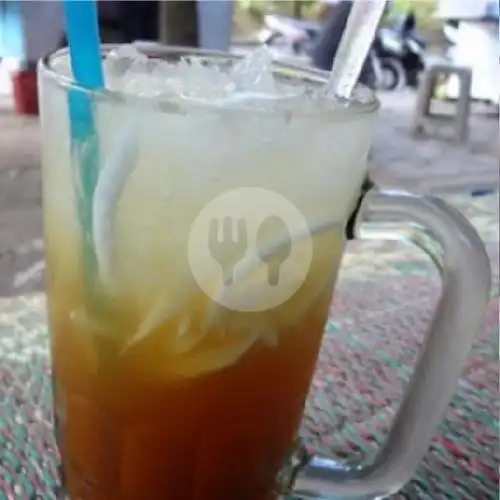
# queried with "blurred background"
point(414, 36)
point(387, 290)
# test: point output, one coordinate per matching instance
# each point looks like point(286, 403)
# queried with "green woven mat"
point(384, 300)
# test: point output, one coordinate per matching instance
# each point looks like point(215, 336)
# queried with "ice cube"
point(130, 71)
point(118, 62)
point(253, 72)
point(201, 81)
point(249, 82)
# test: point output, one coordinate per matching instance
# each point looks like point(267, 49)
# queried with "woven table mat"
point(384, 301)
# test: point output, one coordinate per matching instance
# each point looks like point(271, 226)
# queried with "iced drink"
point(160, 392)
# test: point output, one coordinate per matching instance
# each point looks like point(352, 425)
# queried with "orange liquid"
point(132, 425)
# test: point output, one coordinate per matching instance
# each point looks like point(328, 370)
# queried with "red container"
point(24, 88)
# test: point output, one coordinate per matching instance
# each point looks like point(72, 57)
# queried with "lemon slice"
point(188, 336)
point(160, 310)
point(213, 359)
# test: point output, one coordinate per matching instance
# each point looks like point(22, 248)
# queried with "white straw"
point(113, 178)
point(354, 46)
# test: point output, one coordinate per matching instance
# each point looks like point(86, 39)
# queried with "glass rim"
point(297, 72)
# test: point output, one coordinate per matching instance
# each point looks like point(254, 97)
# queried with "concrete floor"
point(426, 165)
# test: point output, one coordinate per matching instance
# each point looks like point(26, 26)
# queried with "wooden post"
point(178, 22)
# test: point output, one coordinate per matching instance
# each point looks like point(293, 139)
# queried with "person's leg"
point(367, 76)
point(327, 46)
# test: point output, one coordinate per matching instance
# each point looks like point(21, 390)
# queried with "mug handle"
point(458, 253)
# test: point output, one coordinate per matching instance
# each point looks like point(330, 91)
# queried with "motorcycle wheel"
point(392, 75)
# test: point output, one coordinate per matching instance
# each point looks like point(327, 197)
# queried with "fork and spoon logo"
point(231, 236)
point(256, 243)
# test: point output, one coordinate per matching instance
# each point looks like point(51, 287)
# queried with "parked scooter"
point(301, 36)
point(297, 34)
point(401, 52)
point(397, 55)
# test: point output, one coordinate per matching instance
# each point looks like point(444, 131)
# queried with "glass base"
point(286, 480)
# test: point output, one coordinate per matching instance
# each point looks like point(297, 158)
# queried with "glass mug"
point(164, 385)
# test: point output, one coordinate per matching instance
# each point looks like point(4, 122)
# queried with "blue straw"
point(84, 49)
point(84, 44)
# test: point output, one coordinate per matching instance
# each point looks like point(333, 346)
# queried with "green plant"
point(258, 8)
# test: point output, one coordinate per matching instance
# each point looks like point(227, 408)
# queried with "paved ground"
point(398, 160)
point(434, 163)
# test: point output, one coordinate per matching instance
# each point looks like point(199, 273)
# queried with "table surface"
point(385, 297)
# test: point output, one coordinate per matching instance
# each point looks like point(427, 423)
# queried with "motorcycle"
point(401, 53)
point(397, 55)
point(389, 71)
point(300, 36)
point(297, 34)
